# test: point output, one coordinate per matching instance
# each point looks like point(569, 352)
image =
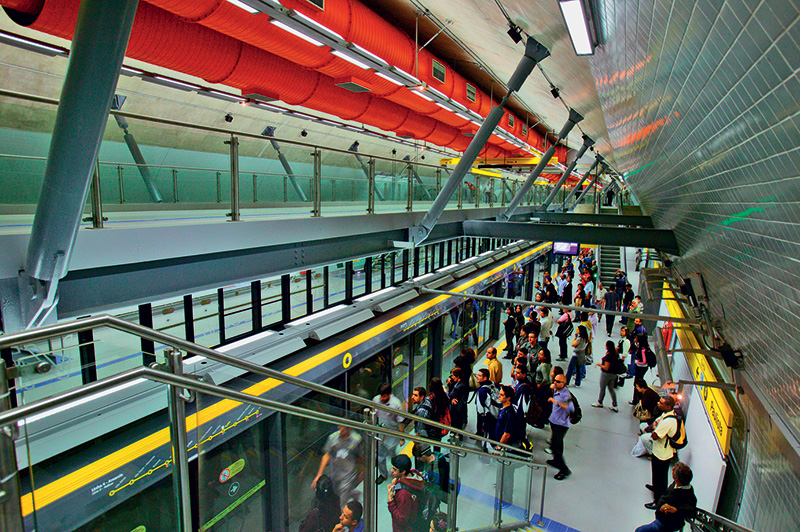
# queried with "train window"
point(270, 302)
point(206, 320)
point(422, 361)
point(401, 368)
point(335, 281)
point(238, 310)
point(471, 92)
point(438, 71)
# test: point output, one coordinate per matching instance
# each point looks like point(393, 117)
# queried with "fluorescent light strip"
point(576, 25)
point(350, 59)
point(32, 44)
point(408, 77)
point(268, 107)
point(443, 106)
point(177, 84)
point(131, 71)
point(464, 117)
point(296, 33)
point(316, 24)
point(223, 96)
point(369, 54)
point(242, 5)
point(421, 95)
point(476, 123)
point(437, 93)
point(329, 122)
point(388, 78)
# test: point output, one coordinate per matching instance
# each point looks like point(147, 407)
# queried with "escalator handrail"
point(106, 320)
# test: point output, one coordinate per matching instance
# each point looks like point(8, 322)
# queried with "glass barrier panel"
point(72, 485)
point(298, 294)
point(206, 319)
point(169, 317)
point(336, 278)
point(238, 306)
point(47, 367)
point(116, 351)
point(270, 301)
point(359, 277)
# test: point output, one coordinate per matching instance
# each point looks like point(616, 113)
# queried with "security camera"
point(304, 133)
point(229, 118)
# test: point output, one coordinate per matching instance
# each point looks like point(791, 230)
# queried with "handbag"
point(620, 381)
point(640, 413)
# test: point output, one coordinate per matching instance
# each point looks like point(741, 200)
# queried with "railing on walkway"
point(172, 375)
point(708, 522)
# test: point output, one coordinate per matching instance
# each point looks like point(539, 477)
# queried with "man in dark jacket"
point(676, 505)
point(458, 394)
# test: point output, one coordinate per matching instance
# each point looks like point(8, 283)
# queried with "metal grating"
point(702, 104)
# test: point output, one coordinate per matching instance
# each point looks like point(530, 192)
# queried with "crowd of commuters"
point(534, 392)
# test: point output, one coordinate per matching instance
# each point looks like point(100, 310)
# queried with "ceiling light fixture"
point(316, 24)
point(555, 91)
point(419, 93)
point(388, 78)
point(296, 33)
point(30, 44)
point(369, 54)
point(574, 15)
point(242, 5)
point(350, 59)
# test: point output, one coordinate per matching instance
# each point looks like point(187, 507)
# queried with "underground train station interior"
point(399, 265)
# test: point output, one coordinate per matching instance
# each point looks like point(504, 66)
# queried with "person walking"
point(608, 378)
point(560, 424)
point(577, 364)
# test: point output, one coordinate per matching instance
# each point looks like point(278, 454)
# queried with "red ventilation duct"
point(160, 38)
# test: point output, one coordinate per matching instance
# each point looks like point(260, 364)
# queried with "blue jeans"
point(655, 526)
point(578, 369)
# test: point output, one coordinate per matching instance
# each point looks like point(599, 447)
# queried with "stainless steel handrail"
point(211, 129)
point(725, 522)
point(156, 375)
point(61, 329)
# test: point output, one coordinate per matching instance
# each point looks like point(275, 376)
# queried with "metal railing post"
point(438, 174)
point(11, 514)
point(96, 200)
point(121, 185)
point(540, 522)
point(219, 187)
point(285, 189)
point(452, 496)
point(178, 441)
point(234, 145)
point(491, 191)
point(175, 185)
point(255, 188)
point(528, 490)
point(371, 186)
point(370, 461)
point(460, 196)
point(477, 191)
point(498, 490)
point(410, 188)
point(316, 209)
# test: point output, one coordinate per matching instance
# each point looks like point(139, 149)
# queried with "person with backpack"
point(422, 406)
point(487, 405)
point(458, 392)
point(609, 369)
point(441, 403)
point(563, 332)
point(510, 430)
point(405, 494)
point(663, 428)
point(563, 406)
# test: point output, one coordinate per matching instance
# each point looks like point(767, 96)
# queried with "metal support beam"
point(594, 219)
point(80, 121)
point(316, 186)
point(369, 172)
point(96, 200)
point(587, 143)
point(574, 118)
point(589, 187)
point(661, 239)
point(574, 191)
point(138, 158)
point(534, 53)
point(269, 131)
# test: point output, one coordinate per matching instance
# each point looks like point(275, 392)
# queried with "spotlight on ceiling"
point(394, 151)
point(269, 131)
point(555, 91)
point(229, 118)
point(304, 133)
point(118, 102)
point(514, 32)
point(578, 20)
point(353, 146)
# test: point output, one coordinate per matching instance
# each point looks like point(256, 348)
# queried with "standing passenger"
point(495, 366)
point(344, 455)
point(388, 446)
point(559, 425)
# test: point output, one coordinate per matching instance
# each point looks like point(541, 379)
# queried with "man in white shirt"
point(388, 447)
point(546, 320)
point(663, 428)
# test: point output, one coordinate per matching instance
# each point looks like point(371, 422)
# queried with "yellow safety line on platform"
point(77, 479)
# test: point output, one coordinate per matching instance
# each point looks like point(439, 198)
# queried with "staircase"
point(609, 262)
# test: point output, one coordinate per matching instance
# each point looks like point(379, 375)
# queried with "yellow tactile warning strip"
point(59, 488)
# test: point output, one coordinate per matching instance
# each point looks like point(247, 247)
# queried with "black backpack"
point(576, 415)
point(427, 502)
point(650, 358)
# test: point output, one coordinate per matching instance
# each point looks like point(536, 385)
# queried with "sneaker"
point(632, 402)
point(577, 386)
point(600, 405)
point(613, 409)
point(551, 462)
point(548, 450)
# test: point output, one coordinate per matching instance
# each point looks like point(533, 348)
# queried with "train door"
point(422, 358)
point(401, 362)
